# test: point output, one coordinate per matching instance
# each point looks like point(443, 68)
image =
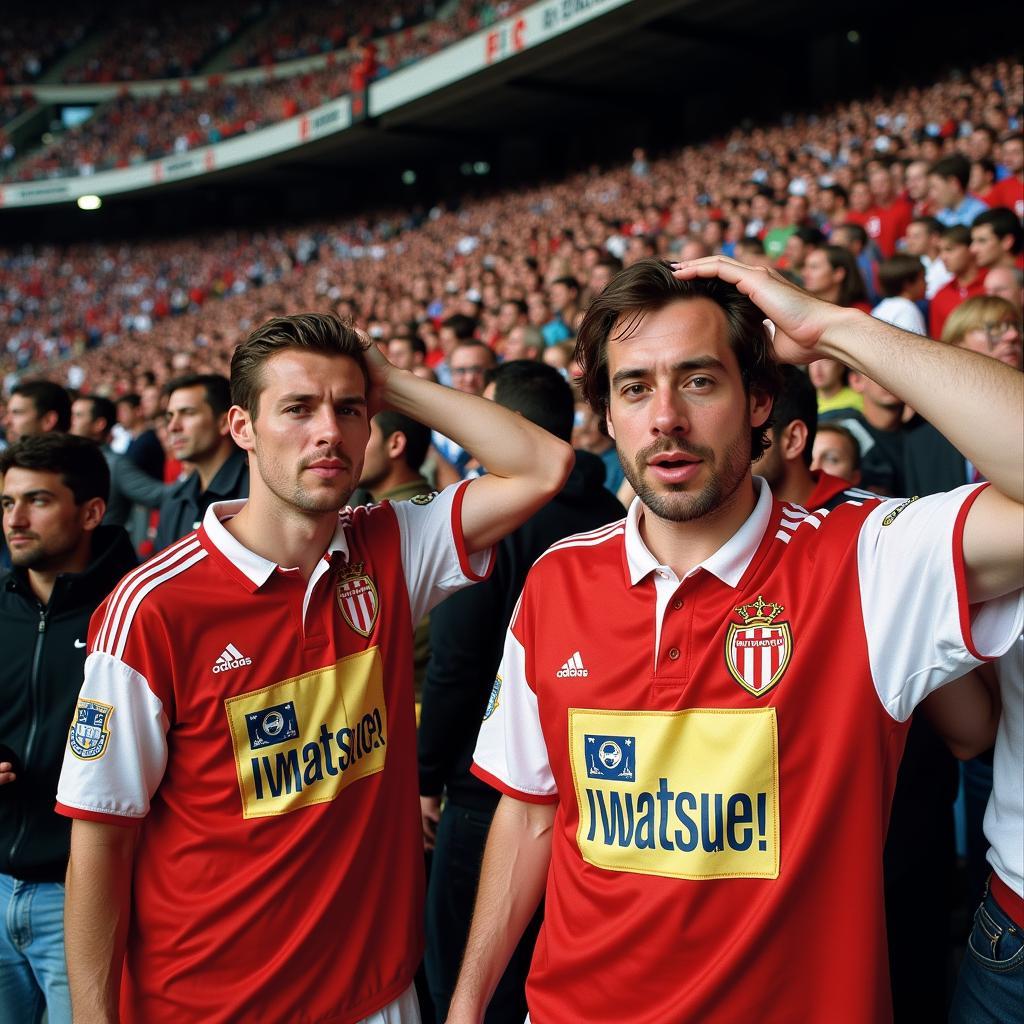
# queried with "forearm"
point(507, 445)
point(97, 902)
point(512, 881)
point(975, 401)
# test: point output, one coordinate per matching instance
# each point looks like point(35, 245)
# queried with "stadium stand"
point(114, 311)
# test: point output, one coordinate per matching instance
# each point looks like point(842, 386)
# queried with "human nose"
point(16, 514)
point(669, 412)
point(328, 429)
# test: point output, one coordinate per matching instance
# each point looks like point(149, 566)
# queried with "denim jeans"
point(990, 989)
point(33, 974)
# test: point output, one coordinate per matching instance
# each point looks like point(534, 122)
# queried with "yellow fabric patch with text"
point(683, 794)
point(304, 740)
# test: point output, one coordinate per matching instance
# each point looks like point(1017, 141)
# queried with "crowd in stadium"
point(908, 206)
point(367, 42)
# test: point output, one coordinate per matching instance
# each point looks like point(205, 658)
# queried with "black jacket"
point(184, 507)
point(467, 634)
point(41, 672)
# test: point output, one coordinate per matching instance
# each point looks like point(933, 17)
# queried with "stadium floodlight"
point(408, 177)
point(89, 202)
point(482, 167)
point(466, 169)
point(853, 36)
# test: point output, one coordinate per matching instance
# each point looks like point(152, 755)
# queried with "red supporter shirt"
point(262, 731)
point(886, 225)
point(1009, 193)
point(948, 297)
point(722, 752)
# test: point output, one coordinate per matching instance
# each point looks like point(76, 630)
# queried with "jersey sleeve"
point(435, 559)
point(116, 749)
point(511, 754)
point(920, 627)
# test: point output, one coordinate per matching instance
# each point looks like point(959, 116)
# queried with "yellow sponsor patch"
point(302, 741)
point(683, 794)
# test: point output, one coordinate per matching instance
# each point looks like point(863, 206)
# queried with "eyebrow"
point(699, 363)
point(40, 492)
point(307, 398)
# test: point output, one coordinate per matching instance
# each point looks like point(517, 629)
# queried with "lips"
point(328, 469)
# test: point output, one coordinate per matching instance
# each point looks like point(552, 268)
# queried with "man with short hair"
point(1009, 192)
point(679, 799)
point(523, 342)
point(1007, 283)
point(836, 452)
point(36, 407)
point(787, 464)
point(947, 190)
point(64, 564)
point(198, 434)
point(968, 279)
point(924, 235)
point(132, 493)
point(563, 299)
point(902, 280)
point(249, 710)
point(997, 239)
point(469, 363)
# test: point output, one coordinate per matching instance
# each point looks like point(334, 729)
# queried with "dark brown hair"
point(648, 286)
point(324, 333)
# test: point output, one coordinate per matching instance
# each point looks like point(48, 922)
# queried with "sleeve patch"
point(90, 730)
point(423, 499)
point(891, 517)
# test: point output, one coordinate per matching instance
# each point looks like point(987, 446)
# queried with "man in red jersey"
point(700, 711)
point(241, 767)
point(968, 278)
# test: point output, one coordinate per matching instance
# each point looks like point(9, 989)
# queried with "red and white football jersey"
point(263, 731)
point(722, 750)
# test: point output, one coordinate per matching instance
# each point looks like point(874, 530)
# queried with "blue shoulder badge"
point(90, 729)
point(493, 701)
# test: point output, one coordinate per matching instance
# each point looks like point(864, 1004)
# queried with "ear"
point(793, 440)
point(48, 421)
point(608, 424)
point(240, 427)
point(856, 381)
point(396, 445)
point(760, 408)
point(224, 424)
point(92, 512)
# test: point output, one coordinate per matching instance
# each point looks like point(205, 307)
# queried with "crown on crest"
point(759, 612)
point(351, 571)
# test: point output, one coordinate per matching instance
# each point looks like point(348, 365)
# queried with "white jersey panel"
point(908, 557)
point(511, 744)
point(1004, 816)
point(119, 774)
point(434, 558)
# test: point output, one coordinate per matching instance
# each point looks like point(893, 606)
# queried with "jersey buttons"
point(677, 604)
point(673, 653)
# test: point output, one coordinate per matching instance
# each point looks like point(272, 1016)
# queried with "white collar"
point(257, 568)
point(728, 563)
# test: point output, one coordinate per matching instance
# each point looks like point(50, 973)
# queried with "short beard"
point(676, 505)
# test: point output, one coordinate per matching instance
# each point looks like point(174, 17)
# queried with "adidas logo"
point(231, 657)
point(573, 668)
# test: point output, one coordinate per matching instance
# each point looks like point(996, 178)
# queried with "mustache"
point(326, 453)
point(667, 446)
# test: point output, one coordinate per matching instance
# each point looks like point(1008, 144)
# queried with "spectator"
point(64, 564)
point(836, 452)
point(903, 284)
point(988, 325)
point(968, 280)
point(947, 190)
point(997, 239)
point(198, 435)
point(36, 407)
point(923, 240)
point(1007, 283)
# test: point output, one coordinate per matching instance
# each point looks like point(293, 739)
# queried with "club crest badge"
point(357, 599)
point(757, 651)
point(90, 729)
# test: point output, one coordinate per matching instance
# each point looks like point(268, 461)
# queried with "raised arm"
point(526, 465)
point(96, 908)
point(512, 878)
point(966, 713)
point(977, 403)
